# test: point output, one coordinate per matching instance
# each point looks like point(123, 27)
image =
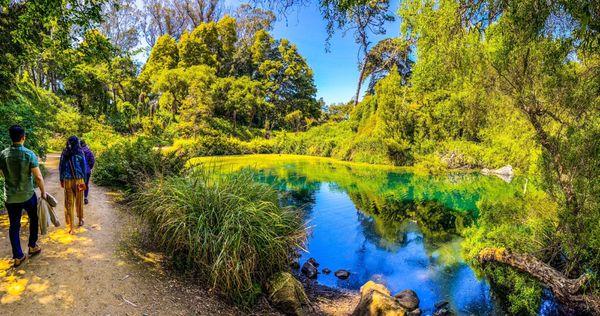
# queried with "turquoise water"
point(390, 226)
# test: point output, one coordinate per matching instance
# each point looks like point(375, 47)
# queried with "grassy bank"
point(228, 231)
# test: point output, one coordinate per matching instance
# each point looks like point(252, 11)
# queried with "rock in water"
point(441, 304)
point(342, 274)
point(287, 294)
point(443, 312)
point(375, 299)
point(408, 299)
point(309, 268)
point(505, 173)
point(326, 271)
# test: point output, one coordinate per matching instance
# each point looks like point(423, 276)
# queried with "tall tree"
point(388, 54)
point(120, 24)
point(28, 28)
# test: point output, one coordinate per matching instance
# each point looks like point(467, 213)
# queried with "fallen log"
point(567, 291)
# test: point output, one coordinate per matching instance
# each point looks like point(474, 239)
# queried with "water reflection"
point(398, 254)
point(393, 227)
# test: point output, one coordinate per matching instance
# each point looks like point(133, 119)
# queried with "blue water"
point(397, 228)
point(342, 237)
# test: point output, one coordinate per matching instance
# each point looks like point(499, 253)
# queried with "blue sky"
point(336, 72)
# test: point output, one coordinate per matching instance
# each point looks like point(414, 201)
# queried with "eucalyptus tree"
point(120, 24)
point(388, 54)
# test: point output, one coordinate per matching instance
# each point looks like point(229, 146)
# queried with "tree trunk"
point(361, 78)
point(234, 120)
point(567, 291)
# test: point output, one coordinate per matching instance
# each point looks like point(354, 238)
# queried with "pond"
point(385, 224)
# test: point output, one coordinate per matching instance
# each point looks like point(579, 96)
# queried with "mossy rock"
point(375, 299)
point(287, 294)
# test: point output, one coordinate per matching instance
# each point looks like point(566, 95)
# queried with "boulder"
point(309, 268)
point(505, 173)
point(287, 294)
point(342, 274)
point(326, 271)
point(375, 299)
point(408, 299)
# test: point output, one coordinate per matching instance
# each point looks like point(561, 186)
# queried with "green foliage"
point(203, 76)
point(523, 224)
point(128, 163)
point(38, 111)
point(229, 230)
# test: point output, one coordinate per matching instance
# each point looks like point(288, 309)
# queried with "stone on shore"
point(408, 299)
point(309, 268)
point(342, 274)
point(375, 299)
point(287, 294)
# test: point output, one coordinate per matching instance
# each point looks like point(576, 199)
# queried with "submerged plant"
point(230, 230)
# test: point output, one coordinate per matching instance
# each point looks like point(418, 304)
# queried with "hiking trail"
point(92, 272)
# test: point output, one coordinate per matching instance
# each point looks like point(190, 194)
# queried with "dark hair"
point(82, 142)
point(16, 133)
point(73, 147)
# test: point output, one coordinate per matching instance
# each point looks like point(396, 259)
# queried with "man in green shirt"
point(20, 168)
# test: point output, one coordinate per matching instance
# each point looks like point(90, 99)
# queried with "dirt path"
point(87, 274)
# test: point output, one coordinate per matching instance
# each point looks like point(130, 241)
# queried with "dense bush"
point(524, 225)
point(128, 163)
point(229, 229)
point(36, 109)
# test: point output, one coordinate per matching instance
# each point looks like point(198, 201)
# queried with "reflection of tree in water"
point(436, 221)
point(297, 190)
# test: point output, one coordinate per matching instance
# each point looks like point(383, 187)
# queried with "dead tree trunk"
point(567, 291)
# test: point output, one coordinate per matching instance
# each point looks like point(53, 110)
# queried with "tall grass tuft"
point(230, 230)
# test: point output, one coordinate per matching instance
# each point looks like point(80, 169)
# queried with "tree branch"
point(567, 291)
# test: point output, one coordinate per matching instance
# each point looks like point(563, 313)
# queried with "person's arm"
point(60, 171)
point(39, 179)
point(2, 162)
point(37, 174)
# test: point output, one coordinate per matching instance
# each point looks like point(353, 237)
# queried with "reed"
point(230, 230)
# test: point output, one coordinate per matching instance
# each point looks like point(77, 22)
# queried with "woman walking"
point(72, 170)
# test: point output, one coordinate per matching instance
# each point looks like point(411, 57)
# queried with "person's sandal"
point(34, 251)
point(18, 262)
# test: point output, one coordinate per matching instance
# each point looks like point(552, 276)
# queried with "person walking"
point(72, 169)
point(20, 168)
point(91, 160)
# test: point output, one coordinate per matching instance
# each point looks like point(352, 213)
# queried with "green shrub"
point(210, 146)
point(229, 229)
point(33, 108)
point(101, 137)
point(523, 225)
point(129, 162)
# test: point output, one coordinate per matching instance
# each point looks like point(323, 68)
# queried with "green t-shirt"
point(16, 163)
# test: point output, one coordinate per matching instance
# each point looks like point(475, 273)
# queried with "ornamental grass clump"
point(230, 230)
